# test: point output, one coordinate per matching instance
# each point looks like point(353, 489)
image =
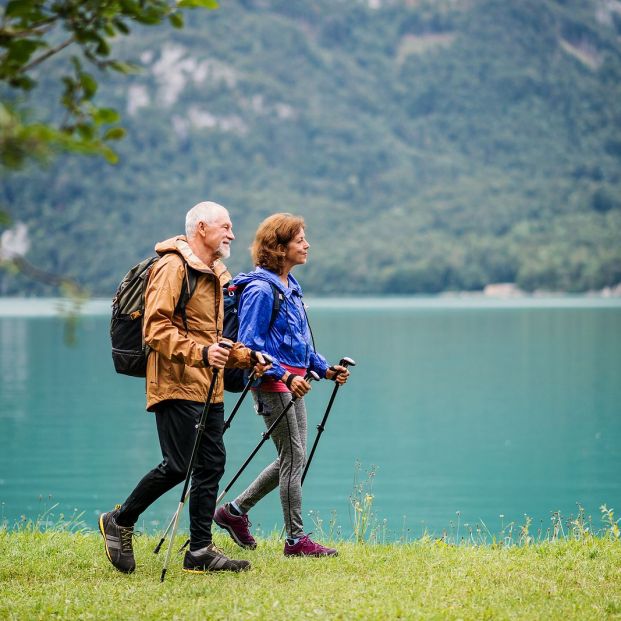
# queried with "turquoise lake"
point(468, 409)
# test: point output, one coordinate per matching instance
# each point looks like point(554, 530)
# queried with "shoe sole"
point(310, 555)
point(207, 571)
point(103, 534)
point(231, 532)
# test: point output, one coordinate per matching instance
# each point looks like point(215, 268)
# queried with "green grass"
point(65, 575)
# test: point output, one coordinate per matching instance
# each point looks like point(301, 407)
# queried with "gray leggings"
point(290, 440)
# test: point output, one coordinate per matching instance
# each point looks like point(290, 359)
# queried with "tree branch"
point(28, 269)
point(50, 52)
point(38, 29)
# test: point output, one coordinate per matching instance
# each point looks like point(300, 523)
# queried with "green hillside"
point(430, 146)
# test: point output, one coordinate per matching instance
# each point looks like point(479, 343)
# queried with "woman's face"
point(296, 251)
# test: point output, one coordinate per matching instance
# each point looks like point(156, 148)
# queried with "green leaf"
point(89, 85)
point(86, 131)
point(123, 67)
point(176, 19)
point(23, 81)
point(21, 51)
point(150, 16)
point(121, 26)
point(19, 8)
point(114, 133)
point(105, 115)
point(86, 36)
point(110, 155)
point(130, 7)
point(198, 4)
point(102, 49)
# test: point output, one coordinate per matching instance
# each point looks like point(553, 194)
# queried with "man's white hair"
point(206, 211)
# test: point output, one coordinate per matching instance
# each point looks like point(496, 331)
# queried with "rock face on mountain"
point(431, 146)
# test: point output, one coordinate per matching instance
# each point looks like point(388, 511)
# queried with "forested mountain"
point(430, 145)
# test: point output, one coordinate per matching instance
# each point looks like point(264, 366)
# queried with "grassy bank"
point(60, 575)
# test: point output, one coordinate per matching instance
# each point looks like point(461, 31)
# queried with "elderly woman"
point(279, 245)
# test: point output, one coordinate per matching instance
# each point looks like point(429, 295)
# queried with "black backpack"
point(129, 351)
point(235, 379)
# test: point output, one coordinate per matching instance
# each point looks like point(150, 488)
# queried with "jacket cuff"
point(206, 355)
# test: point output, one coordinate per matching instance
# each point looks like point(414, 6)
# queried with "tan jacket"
point(175, 367)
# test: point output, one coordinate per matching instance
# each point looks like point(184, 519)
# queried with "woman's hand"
point(338, 373)
point(263, 363)
point(296, 384)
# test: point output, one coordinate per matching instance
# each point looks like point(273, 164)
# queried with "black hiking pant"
point(176, 428)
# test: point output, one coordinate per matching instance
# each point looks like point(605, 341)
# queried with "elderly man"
point(179, 372)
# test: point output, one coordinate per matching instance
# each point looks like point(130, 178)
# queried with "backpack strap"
point(275, 304)
point(187, 289)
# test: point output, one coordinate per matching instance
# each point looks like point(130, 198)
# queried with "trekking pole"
point(251, 379)
point(345, 362)
point(227, 424)
point(199, 434)
point(310, 376)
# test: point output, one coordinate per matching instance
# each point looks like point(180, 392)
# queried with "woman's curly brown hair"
point(270, 241)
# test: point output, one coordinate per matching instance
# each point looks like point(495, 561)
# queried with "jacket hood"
point(261, 273)
point(179, 244)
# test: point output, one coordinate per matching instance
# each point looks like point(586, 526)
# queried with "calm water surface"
point(485, 408)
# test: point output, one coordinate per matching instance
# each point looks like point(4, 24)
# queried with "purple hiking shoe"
point(236, 525)
point(307, 547)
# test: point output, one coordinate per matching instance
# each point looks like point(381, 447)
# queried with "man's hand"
point(298, 385)
point(218, 355)
point(262, 365)
point(338, 373)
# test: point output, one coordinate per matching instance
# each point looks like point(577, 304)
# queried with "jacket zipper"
point(216, 283)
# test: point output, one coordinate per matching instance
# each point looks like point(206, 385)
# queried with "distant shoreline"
point(53, 307)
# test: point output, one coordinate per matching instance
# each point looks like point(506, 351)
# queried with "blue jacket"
point(289, 339)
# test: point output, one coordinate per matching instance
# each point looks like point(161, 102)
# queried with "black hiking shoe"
point(118, 541)
point(211, 558)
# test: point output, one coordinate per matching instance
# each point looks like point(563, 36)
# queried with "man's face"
point(218, 235)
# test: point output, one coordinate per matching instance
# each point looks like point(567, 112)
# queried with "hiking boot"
point(118, 541)
point(236, 525)
point(307, 547)
point(211, 558)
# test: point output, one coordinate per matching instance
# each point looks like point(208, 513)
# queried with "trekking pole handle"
point(254, 355)
point(311, 375)
point(344, 362)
